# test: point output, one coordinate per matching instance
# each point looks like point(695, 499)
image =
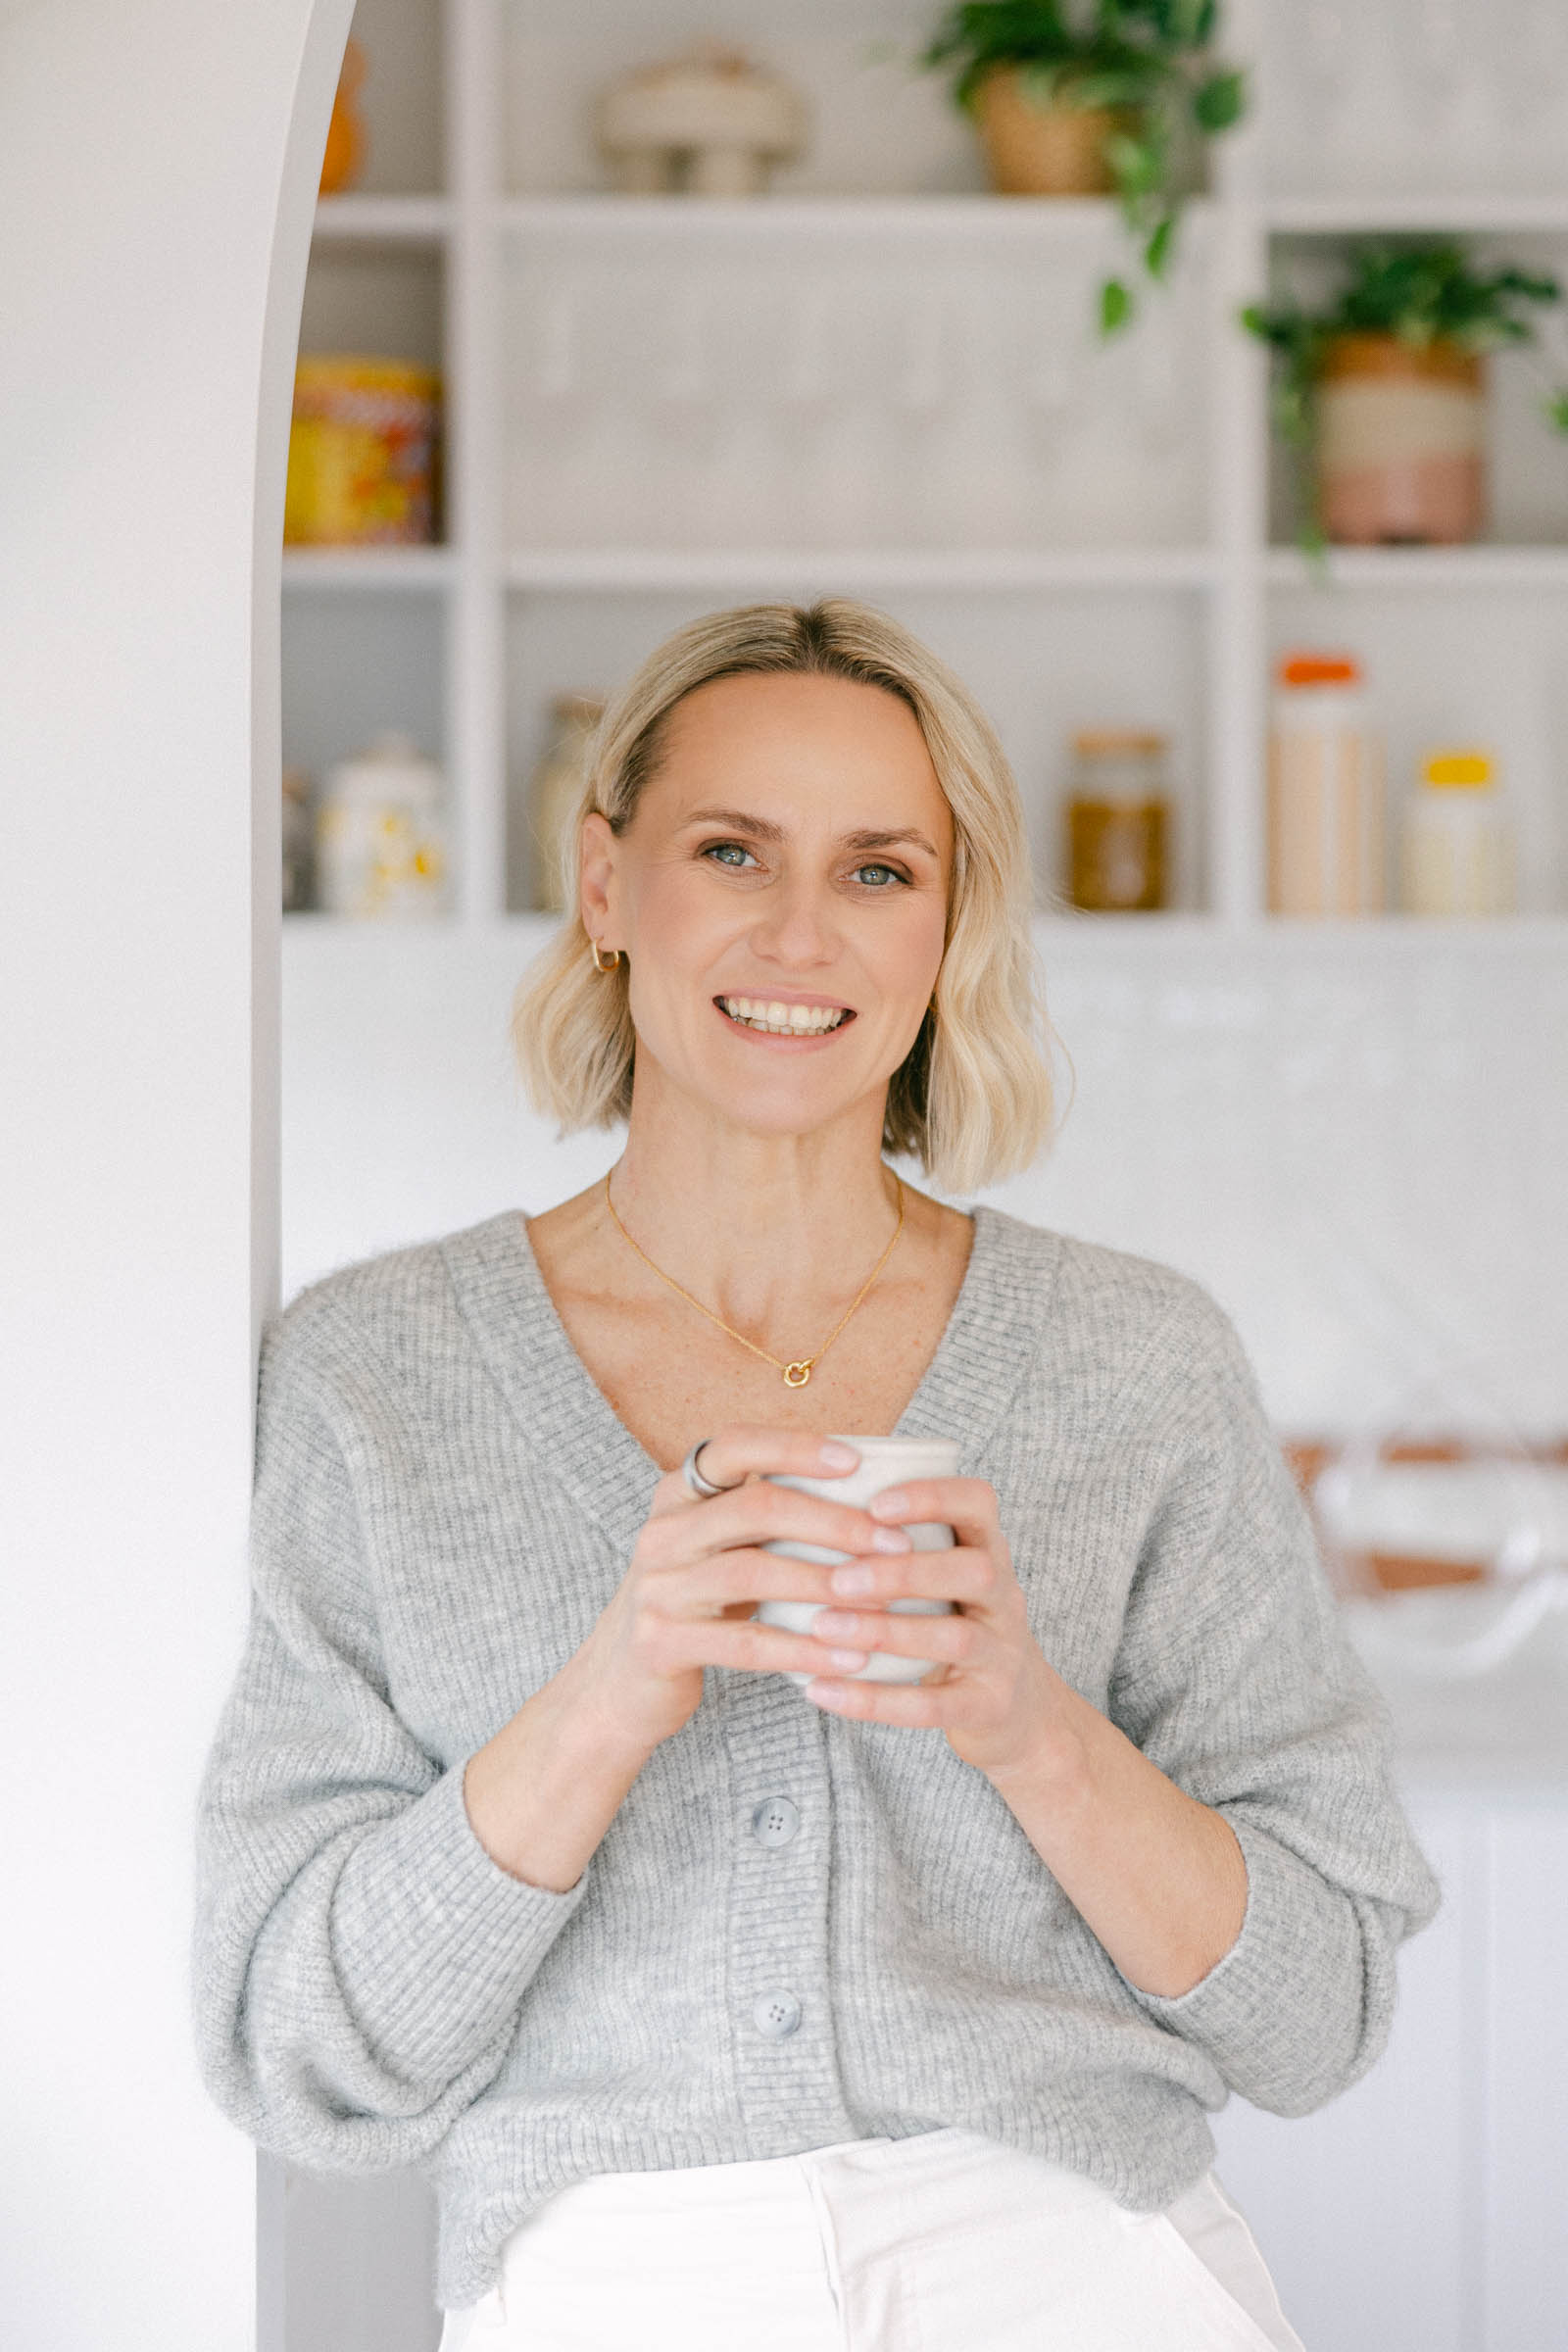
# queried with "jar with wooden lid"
point(1118, 822)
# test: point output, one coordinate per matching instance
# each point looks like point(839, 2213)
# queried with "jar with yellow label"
point(363, 453)
point(1118, 822)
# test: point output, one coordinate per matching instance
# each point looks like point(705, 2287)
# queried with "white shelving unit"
point(882, 382)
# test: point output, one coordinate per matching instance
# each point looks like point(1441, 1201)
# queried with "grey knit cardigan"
point(445, 1502)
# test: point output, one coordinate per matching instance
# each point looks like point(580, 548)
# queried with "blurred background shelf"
point(1440, 212)
point(881, 379)
point(416, 569)
point(383, 220)
point(856, 571)
point(1466, 568)
point(761, 219)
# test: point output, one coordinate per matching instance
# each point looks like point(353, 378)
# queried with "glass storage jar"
point(1118, 822)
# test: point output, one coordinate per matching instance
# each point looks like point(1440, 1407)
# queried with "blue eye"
point(726, 853)
point(888, 873)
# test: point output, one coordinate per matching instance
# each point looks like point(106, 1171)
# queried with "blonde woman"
point(727, 2010)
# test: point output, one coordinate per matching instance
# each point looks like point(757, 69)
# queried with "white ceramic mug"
point(884, 1462)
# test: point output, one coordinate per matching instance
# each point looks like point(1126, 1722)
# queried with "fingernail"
point(890, 1505)
point(834, 1456)
point(890, 1539)
point(848, 1660)
point(849, 1581)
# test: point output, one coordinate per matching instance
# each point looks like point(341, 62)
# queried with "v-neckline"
point(583, 1441)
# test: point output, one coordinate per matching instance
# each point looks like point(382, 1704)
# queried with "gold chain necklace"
point(796, 1375)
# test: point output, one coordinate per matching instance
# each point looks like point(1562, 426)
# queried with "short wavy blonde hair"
point(972, 1100)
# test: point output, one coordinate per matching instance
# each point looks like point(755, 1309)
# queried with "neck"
point(767, 1231)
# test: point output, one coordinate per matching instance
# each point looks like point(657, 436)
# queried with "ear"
point(596, 891)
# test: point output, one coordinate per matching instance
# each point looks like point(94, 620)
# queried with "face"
point(781, 895)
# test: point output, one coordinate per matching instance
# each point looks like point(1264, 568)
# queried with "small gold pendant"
point(796, 1376)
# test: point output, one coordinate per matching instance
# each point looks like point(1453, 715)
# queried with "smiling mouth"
point(776, 1019)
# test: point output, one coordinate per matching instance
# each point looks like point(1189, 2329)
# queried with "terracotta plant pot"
point(1401, 442)
point(1035, 150)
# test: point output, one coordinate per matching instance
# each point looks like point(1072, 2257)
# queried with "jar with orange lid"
point(1118, 822)
point(1325, 790)
point(1458, 845)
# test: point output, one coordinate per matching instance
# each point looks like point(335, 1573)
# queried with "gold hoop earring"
point(604, 960)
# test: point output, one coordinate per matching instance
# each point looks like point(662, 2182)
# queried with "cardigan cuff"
point(1247, 2012)
point(434, 1942)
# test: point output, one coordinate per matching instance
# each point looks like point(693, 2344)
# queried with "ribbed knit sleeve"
point(1236, 1677)
point(359, 1958)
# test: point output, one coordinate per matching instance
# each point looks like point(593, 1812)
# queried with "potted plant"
point(1381, 392)
point(1085, 97)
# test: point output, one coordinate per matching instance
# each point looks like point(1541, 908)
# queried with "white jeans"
point(943, 2242)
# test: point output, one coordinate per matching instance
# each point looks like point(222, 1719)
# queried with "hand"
point(997, 1698)
point(697, 1572)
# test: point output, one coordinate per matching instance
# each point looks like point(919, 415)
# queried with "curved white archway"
point(158, 168)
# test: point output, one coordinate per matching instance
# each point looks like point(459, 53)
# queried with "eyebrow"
point(764, 829)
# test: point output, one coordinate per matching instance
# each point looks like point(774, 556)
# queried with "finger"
point(760, 1512)
point(755, 1649)
point(959, 1572)
point(948, 1640)
point(968, 1505)
point(917, 1706)
point(752, 1449)
point(724, 1580)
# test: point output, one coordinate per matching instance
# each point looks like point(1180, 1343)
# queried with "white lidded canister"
point(884, 1462)
point(1458, 847)
point(1325, 792)
point(381, 841)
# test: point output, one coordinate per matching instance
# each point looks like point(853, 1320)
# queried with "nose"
point(797, 928)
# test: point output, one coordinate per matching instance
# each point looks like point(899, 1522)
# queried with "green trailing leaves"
point(1219, 101)
point(1115, 306)
point(1423, 290)
point(1160, 246)
point(1148, 63)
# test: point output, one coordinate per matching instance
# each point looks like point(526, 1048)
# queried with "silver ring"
point(697, 1485)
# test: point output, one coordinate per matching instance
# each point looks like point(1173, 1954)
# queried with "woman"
point(867, 2014)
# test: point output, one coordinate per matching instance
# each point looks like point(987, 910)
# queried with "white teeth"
point(778, 1020)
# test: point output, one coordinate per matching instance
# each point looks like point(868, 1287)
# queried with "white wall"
point(1358, 1141)
point(156, 170)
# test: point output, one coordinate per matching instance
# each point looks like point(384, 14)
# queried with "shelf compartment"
point(1041, 662)
point(706, 396)
point(357, 667)
point(1483, 668)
